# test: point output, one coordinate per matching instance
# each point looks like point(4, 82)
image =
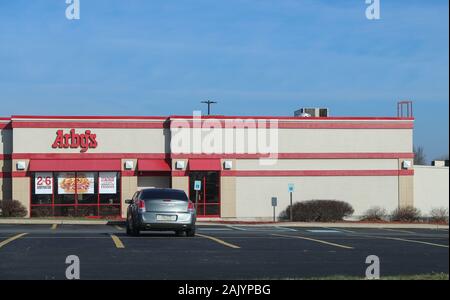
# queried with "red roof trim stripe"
point(90, 156)
point(203, 117)
point(307, 173)
point(90, 117)
point(5, 125)
point(280, 173)
point(295, 118)
point(75, 165)
point(20, 124)
point(295, 125)
point(297, 156)
point(204, 123)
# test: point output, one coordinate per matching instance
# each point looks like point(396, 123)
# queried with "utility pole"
point(209, 102)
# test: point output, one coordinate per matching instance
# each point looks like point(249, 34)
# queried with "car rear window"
point(164, 194)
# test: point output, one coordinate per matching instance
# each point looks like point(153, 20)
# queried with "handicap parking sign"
point(197, 185)
point(291, 187)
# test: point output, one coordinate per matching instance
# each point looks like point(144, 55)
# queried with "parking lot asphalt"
point(218, 252)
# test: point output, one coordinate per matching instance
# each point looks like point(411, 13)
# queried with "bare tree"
point(419, 156)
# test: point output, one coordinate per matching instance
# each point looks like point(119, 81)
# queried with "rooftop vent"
point(312, 112)
point(440, 163)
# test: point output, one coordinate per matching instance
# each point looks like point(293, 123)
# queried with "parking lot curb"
point(333, 225)
point(57, 221)
point(19, 221)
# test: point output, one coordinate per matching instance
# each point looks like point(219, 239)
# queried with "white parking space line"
point(285, 228)
point(414, 241)
point(236, 228)
point(314, 240)
point(262, 228)
point(399, 230)
point(323, 231)
point(118, 227)
point(214, 229)
point(340, 229)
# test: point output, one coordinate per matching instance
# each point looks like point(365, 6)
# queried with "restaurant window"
point(75, 194)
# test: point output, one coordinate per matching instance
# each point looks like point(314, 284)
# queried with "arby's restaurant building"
point(83, 166)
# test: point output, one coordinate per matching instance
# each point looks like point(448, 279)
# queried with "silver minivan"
point(161, 209)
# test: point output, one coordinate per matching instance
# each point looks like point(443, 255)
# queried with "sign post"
point(197, 187)
point(274, 204)
point(291, 190)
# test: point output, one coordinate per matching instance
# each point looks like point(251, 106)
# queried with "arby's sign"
point(74, 140)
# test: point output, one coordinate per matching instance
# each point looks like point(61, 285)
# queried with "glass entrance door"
point(208, 202)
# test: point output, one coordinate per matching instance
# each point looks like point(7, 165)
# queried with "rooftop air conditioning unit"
point(312, 112)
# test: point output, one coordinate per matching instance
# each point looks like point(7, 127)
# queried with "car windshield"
point(164, 194)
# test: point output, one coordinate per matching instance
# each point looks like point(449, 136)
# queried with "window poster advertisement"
point(107, 182)
point(43, 183)
point(66, 183)
point(83, 183)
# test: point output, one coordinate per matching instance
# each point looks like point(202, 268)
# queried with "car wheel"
point(132, 229)
point(128, 228)
point(190, 232)
point(135, 231)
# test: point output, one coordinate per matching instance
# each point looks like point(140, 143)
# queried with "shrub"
point(12, 208)
point(375, 213)
point(318, 211)
point(406, 214)
point(41, 212)
point(439, 215)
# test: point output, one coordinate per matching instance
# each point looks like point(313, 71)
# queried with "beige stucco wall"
point(405, 185)
point(318, 164)
point(228, 197)
point(292, 140)
point(345, 140)
point(253, 197)
point(21, 191)
point(431, 188)
point(129, 187)
point(154, 181)
point(114, 140)
point(405, 191)
point(181, 183)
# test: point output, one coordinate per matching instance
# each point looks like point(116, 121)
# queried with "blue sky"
point(256, 57)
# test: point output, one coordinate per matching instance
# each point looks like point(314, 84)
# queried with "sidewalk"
point(17, 221)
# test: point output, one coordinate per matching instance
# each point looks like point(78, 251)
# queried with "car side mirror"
point(128, 201)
